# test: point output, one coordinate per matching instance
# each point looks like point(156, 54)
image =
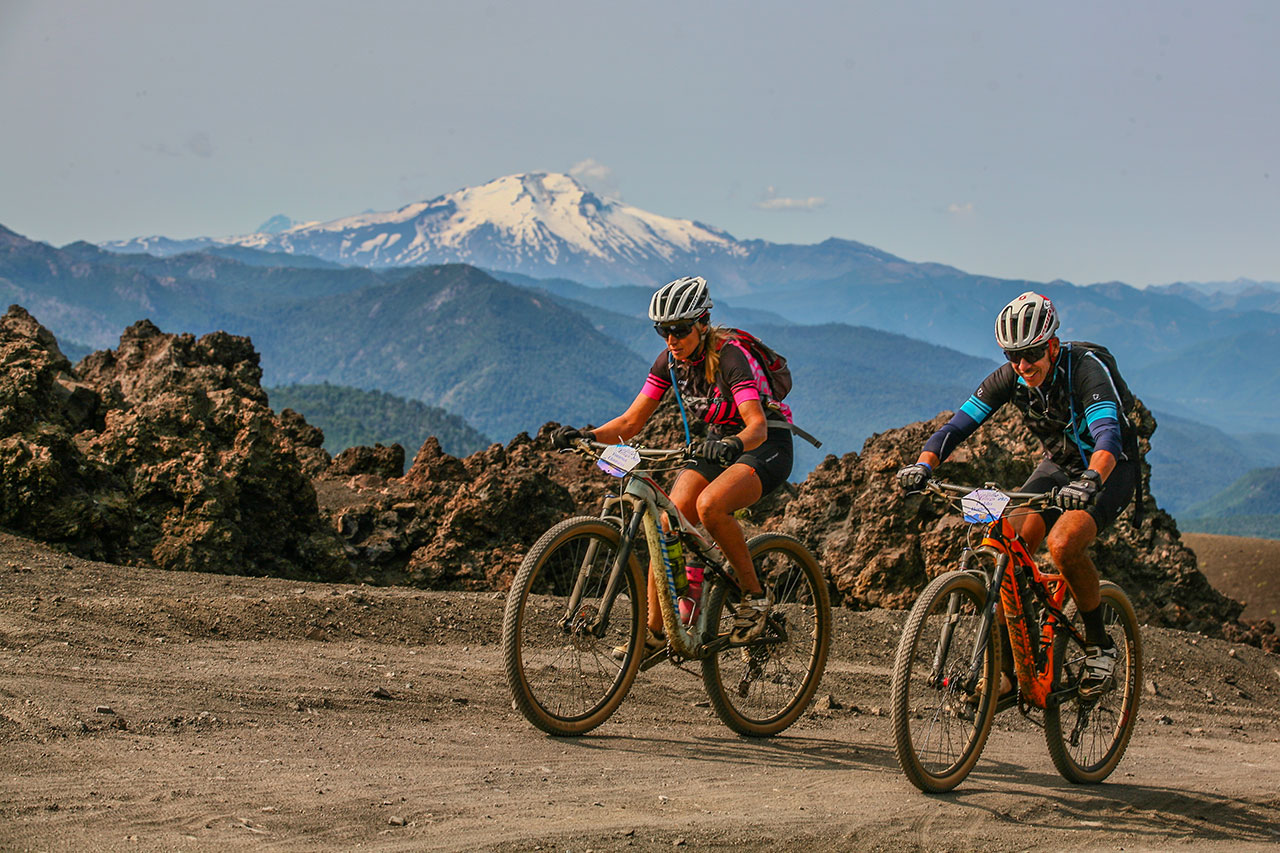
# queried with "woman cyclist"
point(747, 452)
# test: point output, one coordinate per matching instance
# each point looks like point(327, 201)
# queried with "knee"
point(709, 509)
point(688, 508)
point(1065, 550)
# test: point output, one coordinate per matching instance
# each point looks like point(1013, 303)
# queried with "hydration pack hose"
point(675, 386)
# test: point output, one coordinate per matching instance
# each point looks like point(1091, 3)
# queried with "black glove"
point(722, 451)
point(562, 437)
point(1081, 492)
point(913, 477)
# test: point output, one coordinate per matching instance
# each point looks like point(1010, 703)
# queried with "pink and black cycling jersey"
point(739, 378)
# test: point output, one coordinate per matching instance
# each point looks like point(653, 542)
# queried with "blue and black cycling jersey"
point(1070, 422)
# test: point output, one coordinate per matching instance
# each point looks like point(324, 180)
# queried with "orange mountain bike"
point(942, 707)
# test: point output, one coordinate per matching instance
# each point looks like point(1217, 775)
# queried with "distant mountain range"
point(505, 358)
point(1249, 507)
point(538, 338)
point(549, 226)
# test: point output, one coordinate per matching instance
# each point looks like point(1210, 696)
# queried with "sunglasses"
point(678, 330)
point(1031, 354)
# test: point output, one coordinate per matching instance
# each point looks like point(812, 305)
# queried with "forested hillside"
point(350, 417)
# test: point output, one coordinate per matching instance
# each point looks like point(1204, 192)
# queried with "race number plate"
point(983, 505)
point(618, 460)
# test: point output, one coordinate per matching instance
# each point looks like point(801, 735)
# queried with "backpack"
point(776, 372)
point(1109, 362)
point(1127, 402)
point(774, 365)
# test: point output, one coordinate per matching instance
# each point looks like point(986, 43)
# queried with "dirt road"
point(143, 710)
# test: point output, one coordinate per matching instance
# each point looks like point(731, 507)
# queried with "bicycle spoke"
point(564, 677)
point(1088, 737)
point(761, 688)
point(939, 728)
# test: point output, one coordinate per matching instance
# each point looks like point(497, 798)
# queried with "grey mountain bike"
point(573, 634)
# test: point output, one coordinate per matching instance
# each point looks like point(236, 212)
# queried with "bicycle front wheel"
point(940, 727)
point(763, 687)
point(561, 627)
point(1088, 737)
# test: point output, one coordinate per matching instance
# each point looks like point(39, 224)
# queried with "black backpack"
point(1127, 402)
point(1109, 362)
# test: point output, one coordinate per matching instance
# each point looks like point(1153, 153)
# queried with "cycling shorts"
point(771, 461)
point(1113, 497)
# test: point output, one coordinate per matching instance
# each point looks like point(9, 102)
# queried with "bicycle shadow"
point(791, 752)
point(1154, 811)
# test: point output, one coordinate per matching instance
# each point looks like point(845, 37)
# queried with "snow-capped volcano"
point(538, 224)
point(547, 225)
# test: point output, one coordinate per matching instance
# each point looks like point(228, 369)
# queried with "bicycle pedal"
point(653, 659)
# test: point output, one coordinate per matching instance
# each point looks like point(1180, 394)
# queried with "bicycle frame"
point(1019, 581)
point(645, 501)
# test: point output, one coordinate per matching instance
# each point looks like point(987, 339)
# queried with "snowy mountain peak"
point(536, 223)
point(544, 225)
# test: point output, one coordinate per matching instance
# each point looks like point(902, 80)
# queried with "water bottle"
point(673, 554)
point(690, 600)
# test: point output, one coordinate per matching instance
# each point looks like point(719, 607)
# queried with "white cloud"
point(958, 209)
point(596, 176)
point(773, 201)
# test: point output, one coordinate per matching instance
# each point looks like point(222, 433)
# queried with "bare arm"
point(1104, 462)
point(756, 428)
point(627, 424)
point(929, 458)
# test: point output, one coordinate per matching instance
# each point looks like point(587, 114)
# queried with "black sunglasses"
point(679, 330)
point(1031, 354)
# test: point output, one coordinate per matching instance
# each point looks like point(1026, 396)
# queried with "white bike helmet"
point(683, 299)
point(1028, 321)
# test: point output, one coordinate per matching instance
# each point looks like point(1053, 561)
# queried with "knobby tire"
point(939, 730)
point(562, 677)
point(1101, 728)
point(760, 689)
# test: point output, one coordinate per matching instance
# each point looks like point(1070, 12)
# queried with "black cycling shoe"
point(1099, 670)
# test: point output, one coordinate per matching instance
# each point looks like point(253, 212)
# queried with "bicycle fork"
point(599, 625)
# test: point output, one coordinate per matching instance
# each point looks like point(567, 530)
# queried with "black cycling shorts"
point(1113, 497)
point(771, 461)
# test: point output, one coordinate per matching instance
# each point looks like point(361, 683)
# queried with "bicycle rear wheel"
point(1087, 738)
point(939, 729)
point(559, 660)
point(763, 687)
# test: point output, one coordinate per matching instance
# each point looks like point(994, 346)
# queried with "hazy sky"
point(1089, 141)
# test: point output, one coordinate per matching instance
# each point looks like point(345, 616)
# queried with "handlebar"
point(952, 488)
point(645, 452)
point(594, 448)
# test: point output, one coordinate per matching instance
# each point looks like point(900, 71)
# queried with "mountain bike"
point(942, 704)
point(574, 629)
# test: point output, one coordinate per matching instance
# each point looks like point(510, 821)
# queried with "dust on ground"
point(148, 710)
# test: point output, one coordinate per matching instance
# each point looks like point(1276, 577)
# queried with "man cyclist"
point(747, 452)
point(1071, 401)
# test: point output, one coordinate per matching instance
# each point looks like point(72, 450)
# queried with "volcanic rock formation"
point(164, 451)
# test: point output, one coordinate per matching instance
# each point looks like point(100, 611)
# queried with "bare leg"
point(1067, 542)
point(737, 487)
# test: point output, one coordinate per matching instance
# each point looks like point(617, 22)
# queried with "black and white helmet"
point(1028, 321)
point(683, 299)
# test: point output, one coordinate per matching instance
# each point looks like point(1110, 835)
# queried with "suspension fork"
point(610, 593)
point(988, 618)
